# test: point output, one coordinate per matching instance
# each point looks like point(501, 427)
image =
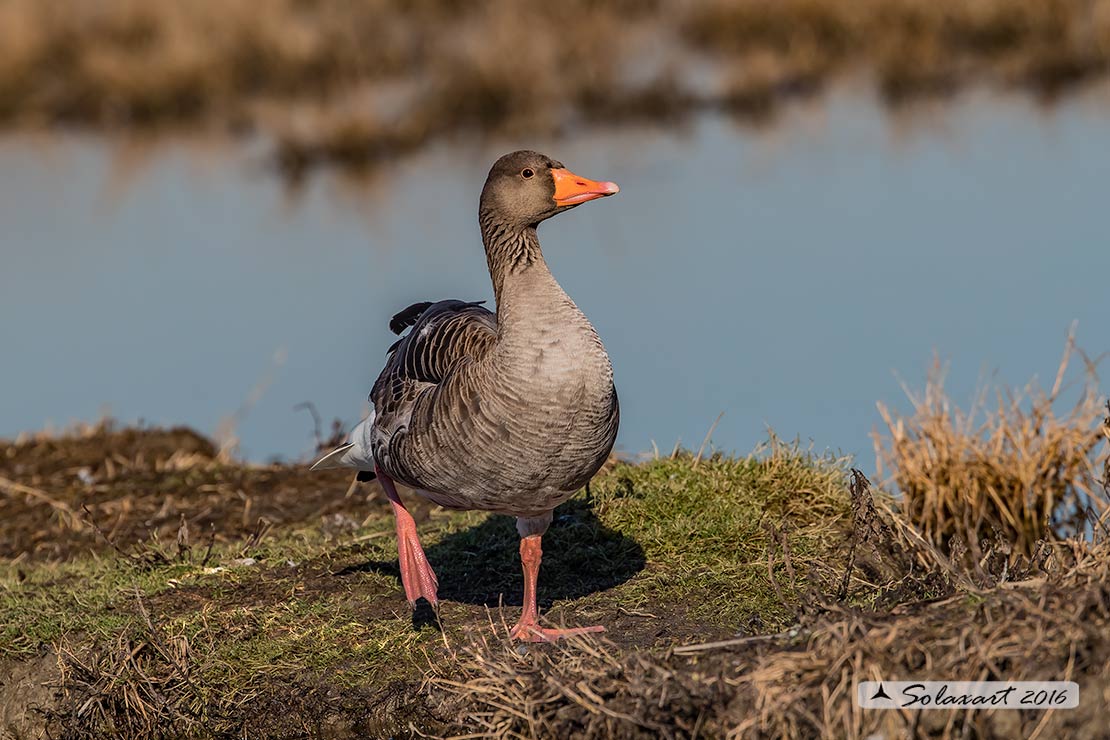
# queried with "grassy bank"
point(356, 81)
point(151, 587)
point(189, 593)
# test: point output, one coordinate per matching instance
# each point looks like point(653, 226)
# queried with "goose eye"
point(527, 173)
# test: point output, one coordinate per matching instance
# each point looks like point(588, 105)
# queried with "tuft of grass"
point(972, 481)
point(710, 529)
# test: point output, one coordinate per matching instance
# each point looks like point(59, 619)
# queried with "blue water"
point(784, 276)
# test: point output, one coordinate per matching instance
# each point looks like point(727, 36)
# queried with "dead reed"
point(1012, 474)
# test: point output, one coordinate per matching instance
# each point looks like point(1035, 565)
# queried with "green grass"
point(44, 602)
point(705, 528)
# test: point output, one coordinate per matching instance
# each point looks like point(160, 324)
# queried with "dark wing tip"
point(365, 476)
point(409, 316)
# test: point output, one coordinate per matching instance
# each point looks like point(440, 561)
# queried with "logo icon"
point(880, 693)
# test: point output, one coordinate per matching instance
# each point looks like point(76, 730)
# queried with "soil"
point(138, 485)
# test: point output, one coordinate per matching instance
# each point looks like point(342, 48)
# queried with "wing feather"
point(407, 317)
point(445, 334)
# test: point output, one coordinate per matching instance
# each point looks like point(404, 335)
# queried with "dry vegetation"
point(801, 684)
point(356, 80)
point(1017, 474)
point(151, 588)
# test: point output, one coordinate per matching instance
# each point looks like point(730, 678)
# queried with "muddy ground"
point(150, 587)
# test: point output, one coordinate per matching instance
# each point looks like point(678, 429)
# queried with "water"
point(783, 276)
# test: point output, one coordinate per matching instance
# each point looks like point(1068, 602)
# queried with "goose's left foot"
point(528, 628)
point(533, 632)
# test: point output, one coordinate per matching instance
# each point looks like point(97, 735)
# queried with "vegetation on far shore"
point(357, 81)
point(150, 586)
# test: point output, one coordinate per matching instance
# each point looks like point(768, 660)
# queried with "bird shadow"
point(481, 565)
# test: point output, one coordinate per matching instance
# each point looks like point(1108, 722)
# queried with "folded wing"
point(443, 337)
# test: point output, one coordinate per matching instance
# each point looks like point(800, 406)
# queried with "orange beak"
point(570, 189)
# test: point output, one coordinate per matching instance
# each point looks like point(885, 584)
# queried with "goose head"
point(526, 187)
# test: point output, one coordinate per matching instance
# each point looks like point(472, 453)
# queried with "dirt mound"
point(60, 496)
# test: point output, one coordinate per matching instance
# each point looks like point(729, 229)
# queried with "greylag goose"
point(509, 412)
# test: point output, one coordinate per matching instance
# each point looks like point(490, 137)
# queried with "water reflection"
point(778, 275)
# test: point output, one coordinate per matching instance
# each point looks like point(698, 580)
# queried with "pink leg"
point(416, 573)
point(528, 628)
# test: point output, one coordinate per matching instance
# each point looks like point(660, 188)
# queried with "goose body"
point(514, 426)
point(510, 411)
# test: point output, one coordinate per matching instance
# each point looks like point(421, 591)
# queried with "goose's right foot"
point(417, 575)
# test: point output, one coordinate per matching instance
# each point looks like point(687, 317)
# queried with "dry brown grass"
point(1009, 476)
point(138, 686)
point(356, 80)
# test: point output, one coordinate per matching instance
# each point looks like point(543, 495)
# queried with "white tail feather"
point(355, 454)
point(334, 459)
